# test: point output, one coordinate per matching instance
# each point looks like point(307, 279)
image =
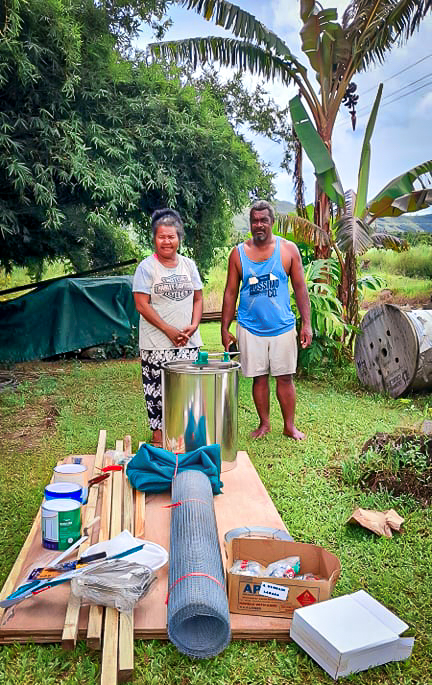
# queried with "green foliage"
point(415, 263)
point(91, 142)
point(392, 458)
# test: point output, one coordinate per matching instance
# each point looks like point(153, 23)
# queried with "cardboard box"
point(350, 633)
point(283, 595)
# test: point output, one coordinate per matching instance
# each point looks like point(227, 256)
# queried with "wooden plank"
point(110, 648)
point(126, 634)
point(111, 624)
point(139, 523)
point(70, 630)
point(94, 628)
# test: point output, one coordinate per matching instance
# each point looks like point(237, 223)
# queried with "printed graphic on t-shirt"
point(263, 285)
point(176, 287)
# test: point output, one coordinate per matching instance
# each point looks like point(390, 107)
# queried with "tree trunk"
point(348, 292)
point(322, 219)
point(322, 206)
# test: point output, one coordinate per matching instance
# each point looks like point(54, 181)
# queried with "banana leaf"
point(363, 174)
point(302, 229)
point(387, 202)
point(352, 233)
point(325, 170)
point(389, 242)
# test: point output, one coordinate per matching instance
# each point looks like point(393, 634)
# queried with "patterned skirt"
point(151, 366)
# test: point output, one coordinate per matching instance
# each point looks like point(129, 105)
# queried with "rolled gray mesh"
point(198, 613)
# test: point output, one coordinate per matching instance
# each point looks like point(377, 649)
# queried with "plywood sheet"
point(244, 502)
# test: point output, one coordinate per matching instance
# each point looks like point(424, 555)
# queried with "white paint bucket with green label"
point(61, 523)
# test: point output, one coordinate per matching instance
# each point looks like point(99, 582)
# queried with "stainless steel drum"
point(199, 407)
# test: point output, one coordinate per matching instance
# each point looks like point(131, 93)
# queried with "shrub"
point(414, 263)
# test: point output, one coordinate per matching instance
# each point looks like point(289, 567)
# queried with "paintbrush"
point(36, 586)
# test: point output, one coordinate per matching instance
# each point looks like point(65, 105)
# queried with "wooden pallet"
point(55, 616)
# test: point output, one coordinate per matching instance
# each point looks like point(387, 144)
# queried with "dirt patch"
point(387, 297)
point(407, 466)
point(28, 417)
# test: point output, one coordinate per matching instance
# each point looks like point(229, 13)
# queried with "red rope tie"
point(188, 575)
point(183, 501)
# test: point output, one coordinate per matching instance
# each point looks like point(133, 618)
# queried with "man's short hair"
point(260, 206)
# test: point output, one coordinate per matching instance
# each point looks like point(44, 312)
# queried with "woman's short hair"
point(167, 217)
point(260, 206)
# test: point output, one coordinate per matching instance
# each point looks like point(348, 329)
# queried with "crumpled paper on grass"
point(379, 522)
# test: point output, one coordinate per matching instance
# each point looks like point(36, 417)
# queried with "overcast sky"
point(403, 132)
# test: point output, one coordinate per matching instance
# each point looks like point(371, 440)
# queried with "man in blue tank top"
point(266, 330)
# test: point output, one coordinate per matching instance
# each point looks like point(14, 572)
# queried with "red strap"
point(182, 501)
point(188, 575)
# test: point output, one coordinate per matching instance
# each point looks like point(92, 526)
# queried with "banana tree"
point(353, 232)
point(335, 52)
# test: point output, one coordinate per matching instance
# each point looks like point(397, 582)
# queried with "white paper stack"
point(350, 633)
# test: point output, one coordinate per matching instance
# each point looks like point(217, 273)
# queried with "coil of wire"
point(198, 613)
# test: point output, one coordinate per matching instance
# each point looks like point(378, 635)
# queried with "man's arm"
point(301, 294)
point(230, 298)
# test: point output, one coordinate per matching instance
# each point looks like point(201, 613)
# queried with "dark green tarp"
point(68, 315)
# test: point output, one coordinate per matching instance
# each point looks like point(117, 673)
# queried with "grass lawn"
point(58, 409)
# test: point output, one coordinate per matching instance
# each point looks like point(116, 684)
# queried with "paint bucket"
point(61, 523)
point(72, 473)
point(63, 490)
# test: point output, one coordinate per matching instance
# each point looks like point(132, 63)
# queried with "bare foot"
point(260, 431)
point(294, 434)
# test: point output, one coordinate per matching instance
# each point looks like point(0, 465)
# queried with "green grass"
point(414, 263)
point(20, 276)
point(304, 480)
point(401, 286)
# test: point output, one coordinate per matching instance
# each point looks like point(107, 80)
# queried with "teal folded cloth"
point(152, 468)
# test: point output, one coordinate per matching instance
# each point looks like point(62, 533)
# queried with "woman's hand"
point(178, 338)
point(188, 331)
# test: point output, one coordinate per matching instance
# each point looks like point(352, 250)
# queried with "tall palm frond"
point(231, 53)
point(240, 23)
point(302, 229)
point(374, 26)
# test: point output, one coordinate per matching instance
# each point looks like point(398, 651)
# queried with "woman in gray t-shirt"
point(168, 295)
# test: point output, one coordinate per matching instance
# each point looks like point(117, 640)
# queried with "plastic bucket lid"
point(63, 490)
point(65, 504)
point(70, 468)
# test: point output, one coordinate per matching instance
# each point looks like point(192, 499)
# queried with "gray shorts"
point(261, 355)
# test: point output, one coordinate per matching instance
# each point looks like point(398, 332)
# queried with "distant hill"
point(405, 224)
point(241, 221)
